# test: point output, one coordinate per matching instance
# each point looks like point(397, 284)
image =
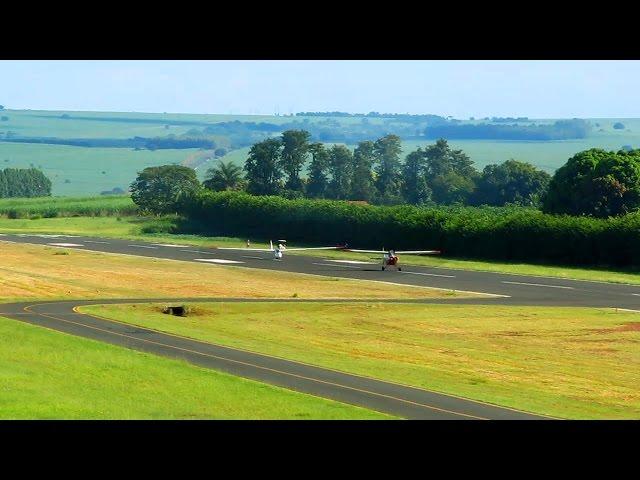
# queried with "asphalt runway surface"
point(399, 400)
point(511, 289)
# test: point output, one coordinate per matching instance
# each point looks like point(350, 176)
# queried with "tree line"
point(374, 172)
point(594, 182)
point(560, 130)
point(24, 182)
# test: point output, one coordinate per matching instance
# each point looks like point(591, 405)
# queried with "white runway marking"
point(94, 241)
point(627, 309)
point(636, 294)
point(199, 251)
point(65, 244)
point(539, 285)
point(249, 256)
point(430, 274)
point(357, 262)
point(169, 245)
point(141, 246)
point(334, 265)
point(215, 260)
point(44, 235)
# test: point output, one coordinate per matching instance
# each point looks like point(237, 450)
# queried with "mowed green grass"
point(49, 375)
point(112, 227)
point(565, 362)
point(83, 167)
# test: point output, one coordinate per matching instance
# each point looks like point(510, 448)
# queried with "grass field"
point(46, 123)
point(134, 228)
point(564, 362)
point(50, 375)
point(39, 272)
point(548, 156)
point(79, 170)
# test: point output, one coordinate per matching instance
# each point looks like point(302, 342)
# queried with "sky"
point(461, 89)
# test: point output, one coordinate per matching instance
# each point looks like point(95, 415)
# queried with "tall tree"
point(511, 182)
point(415, 189)
point(295, 147)
point(341, 168)
point(362, 187)
point(450, 173)
point(160, 189)
point(596, 182)
point(226, 176)
point(264, 176)
point(318, 181)
point(387, 151)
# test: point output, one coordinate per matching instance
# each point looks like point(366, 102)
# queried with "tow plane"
point(278, 252)
point(390, 257)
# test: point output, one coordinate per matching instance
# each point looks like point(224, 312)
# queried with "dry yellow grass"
point(567, 362)
point(33, 271)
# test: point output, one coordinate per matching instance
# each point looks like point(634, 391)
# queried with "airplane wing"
point(313, 248)
point(246, 249)
point(418, 252)
point(364, 251)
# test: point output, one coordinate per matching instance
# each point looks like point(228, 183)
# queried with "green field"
point(50, 375)
point(565, 362)
point(79, 170)
point(43, 123)
point(548, 156)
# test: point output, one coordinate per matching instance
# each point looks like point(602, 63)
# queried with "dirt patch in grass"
point(626, 327)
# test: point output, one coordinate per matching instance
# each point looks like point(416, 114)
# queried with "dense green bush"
point(507, 233)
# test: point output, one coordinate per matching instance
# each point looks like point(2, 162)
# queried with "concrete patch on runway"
point(216, 260)
point(65, 244)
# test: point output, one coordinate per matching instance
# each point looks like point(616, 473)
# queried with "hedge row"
point(509, 233)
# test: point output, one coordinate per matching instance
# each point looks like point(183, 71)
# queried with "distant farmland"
point(79, 170)
point(90, 170)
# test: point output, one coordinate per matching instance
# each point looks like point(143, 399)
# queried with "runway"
point(511, 289)
point(400, 400)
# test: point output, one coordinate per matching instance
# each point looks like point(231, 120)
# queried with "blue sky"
point(537, 89)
